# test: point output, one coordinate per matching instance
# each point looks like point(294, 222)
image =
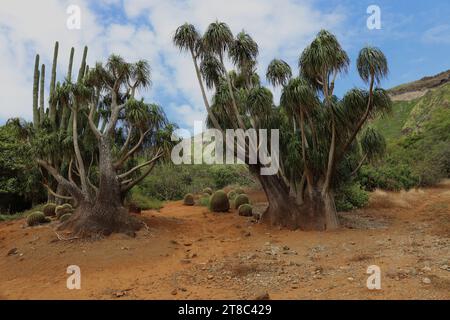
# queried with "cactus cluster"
point(219, 202)
point(240, 200)
point(232, 195)
point(37, 218)
point(188, 200)
point(245, 210)
point(62, 210)
point(239, 191)
point(49, 210)
point(65, 217)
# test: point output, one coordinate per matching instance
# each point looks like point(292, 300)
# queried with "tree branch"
point(156, 157)
point(129, 186)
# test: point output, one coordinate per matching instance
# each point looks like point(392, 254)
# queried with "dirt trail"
point(189, 253)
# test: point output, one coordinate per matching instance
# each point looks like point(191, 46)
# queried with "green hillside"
point(418, 137)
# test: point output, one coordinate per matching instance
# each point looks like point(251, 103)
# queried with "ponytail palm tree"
point(319, 132)
point(108, 130)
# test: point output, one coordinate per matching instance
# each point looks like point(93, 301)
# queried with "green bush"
point(138, 199)
point(245, 210)
point(351, 197)
point(219, 202)
point(388, 177)
point(204, 200)
point(49, 209)
point(240, 200)
point(188, 200)
point(37, 218)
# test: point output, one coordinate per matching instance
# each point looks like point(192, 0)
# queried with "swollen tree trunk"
point(103, 214)
point(317, 211)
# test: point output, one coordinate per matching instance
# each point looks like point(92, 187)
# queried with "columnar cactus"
point(36, 93)
point(41, 95)
point(52, 109)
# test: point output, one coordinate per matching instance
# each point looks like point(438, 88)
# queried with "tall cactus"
point(69, 72)
point(36, 93)
point(42, 95)
point(52, 112)
point(83, 65)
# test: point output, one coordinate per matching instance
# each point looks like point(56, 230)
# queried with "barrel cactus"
point(245, 210)
point(239, 191)
point(188, 200)
point(232, 195)
point(37, 218)
point(49, 210)
point(219, 202)
point(65, 217)
point(208, 191)
point(62, 210)
point(240, 200)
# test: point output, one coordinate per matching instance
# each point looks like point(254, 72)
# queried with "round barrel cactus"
point(208, 191)
point(240, 200)
point(219, 202)
point(65, 217)
point(232, 195)
point(49, 210)
point(188, 200)
point(37, 218)
point(245, 210)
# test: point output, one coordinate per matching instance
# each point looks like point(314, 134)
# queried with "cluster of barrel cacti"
point(219, 202)
point(63, 210)
point(49, 209)
point(37, 218)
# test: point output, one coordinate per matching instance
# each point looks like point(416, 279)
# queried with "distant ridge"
point(416, 89)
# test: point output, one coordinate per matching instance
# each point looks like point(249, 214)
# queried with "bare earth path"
point(188, 253)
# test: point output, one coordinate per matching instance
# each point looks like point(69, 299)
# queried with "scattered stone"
point(174, 292)
point(210, 277)
point(445, 267)
point(426, 280)
point(286, 248)
point(185, 261)
point(350, 279)
point(262, 296)
point(174, 242)
point(188, 244)
point(426, 269)
point(12, 252)
point(247, 234)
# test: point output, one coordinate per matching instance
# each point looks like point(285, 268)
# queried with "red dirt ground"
point(189, 253)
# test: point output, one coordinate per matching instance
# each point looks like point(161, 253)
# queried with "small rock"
point(350, 279)
point(185, 261)
point(426, 280)
point(210, 277)
point(12, 252)
point(247, 234)
point(174, 242)
point(426, 269)
point(262, 296)
point(174, 292)
point(286, 248)
point(188, 244)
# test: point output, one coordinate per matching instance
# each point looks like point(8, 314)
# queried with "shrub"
point(188, 200)
point(62, 210)
point(37, 218)
point(245, 210)
point(240, 200)
point(49, 210)
point(139, 200)
point(351, 197)
point(65, 217)
point(208, 191)
point(219, 202)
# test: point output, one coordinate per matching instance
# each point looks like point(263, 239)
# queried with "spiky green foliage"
point(188, 200)
point(219, 202)
point(49, 210)
point(278, 72)
point(37, 218)
point(373, 143)
point(186, 37)
point(240, 200)
point(372, 62)
point(245, 210)
point(218, 38)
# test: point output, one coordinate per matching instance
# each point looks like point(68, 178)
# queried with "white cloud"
point(438, 35)
point(281, 28)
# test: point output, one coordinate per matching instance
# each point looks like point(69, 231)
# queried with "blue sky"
point(414, 35)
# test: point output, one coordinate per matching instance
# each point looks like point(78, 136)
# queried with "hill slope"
point(418, 132)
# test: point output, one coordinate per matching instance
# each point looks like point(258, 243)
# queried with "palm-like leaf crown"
point(278, 72)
